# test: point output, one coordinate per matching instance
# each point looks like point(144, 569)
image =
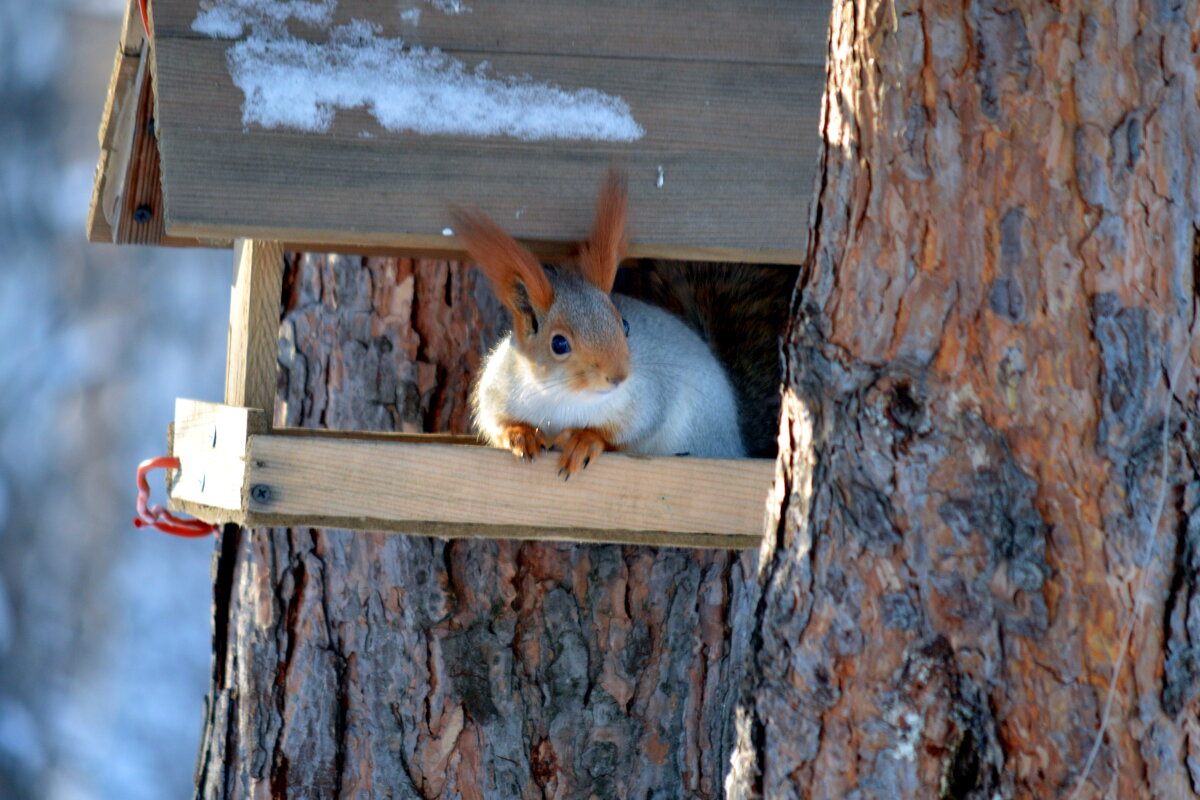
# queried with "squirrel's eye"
point(625, 325)
point(560, 345)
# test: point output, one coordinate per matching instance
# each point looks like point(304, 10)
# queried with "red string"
point(145, 17)
point(158, 517)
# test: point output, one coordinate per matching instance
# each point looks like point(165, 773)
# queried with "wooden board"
point(751, 31)
point(412, 484)
point(209, 440)
point(127, 175)
point(252, 352)
point(728, 93)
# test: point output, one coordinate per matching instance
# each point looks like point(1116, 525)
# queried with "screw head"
point(212, 437)
point(261, 493)
point(143, 214)
point(203, 478)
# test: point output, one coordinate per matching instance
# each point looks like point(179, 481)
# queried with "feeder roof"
point(355, 125)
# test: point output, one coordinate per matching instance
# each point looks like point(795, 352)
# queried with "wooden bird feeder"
point(711, 109)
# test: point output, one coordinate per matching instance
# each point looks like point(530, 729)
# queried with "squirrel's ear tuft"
point(601, 255)
point(515, 273)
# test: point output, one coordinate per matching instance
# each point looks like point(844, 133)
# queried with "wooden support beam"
point(250, 365)
point(116, 144)
point(210, 442)
point(137, 215)
point(408, 485)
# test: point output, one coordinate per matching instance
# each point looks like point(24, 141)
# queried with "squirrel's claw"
point(525, 441)
point(579, 446)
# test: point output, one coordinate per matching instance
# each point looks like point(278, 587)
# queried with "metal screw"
point(212, 436)
point(261, 493)
point(143, 214)
point(150, 127)
point(203, 477)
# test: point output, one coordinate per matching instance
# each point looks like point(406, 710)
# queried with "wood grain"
point(133, 31)
point(138, 215)
point(347, 480)
point(128, 174)
point(209, 439)
point(735, 141)
point(231, 470)
point(250, 365)
point(116, 142)
point(756, 31)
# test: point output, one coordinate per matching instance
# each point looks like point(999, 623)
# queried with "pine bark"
point(989, 510)
point(389, 666)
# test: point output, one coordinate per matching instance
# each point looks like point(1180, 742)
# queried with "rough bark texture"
point(377, 666)
point(975, 498)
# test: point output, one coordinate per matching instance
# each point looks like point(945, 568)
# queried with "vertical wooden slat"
point(254, 324)
point(139, 213)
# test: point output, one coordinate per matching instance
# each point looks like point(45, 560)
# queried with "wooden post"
point(254, 324)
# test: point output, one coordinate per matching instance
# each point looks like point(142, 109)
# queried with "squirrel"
point(740, 310)
point(587, 370)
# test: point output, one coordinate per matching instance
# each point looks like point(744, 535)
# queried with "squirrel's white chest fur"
point(676, 400)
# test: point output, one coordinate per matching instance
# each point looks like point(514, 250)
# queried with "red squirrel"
point(586, 370)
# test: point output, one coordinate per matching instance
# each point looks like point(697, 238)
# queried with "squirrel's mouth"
point(587, 384)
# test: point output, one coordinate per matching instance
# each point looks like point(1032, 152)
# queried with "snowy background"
point(104, 630)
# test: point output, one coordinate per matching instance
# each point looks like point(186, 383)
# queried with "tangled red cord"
point(158, 517)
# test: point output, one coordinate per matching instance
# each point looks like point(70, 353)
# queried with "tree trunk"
point(982, 580)
point(372, 665)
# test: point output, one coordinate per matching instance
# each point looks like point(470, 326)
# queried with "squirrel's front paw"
point(525, 441)
point(579, 446)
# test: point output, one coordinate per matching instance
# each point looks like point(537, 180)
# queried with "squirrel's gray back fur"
point(740, 311)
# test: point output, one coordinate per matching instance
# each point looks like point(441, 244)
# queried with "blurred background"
point(104, 629)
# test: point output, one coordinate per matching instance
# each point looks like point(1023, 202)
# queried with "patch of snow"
point(228, 19)
point(411, 16)
point(660, 179)
point(450, 7)
point(447, 231)
point(291, 83)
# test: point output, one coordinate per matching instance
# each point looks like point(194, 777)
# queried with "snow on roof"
point(229, 18)
point(292, 83)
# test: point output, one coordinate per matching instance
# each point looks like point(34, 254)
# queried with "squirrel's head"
point(564, 322)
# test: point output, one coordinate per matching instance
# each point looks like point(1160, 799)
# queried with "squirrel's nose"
point(617, 378)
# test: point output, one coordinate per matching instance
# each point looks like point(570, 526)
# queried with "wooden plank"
point(115, 144)
point(121, 136)
point(133, 31)
point(250, 364)
point(128, 175)
point(752, 31)
point(341, 200)
point(232, 471)
point(209, 440)
point(364, 484)
point(683, 106)
point(139, 209)
point(736, 145)
point(380, 436)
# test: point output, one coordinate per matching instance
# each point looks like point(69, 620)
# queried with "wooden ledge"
point(396, 483)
